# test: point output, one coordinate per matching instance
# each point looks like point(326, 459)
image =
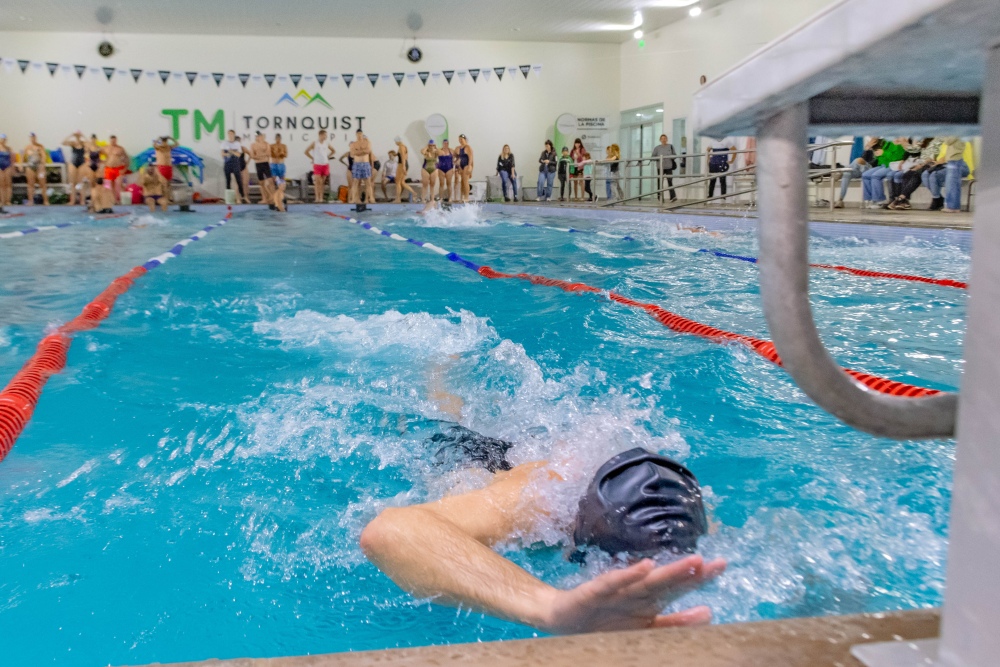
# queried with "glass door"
point(640, 132)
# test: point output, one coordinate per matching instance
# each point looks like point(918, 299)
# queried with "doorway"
point(640, 132)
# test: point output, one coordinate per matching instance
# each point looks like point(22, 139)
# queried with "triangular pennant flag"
point(52, 68)
point(525, 70)
point(512, 71)
point(282, 78)
point(398, 76)
point(108, 71)
point(411, 76)
point(423, 77)
point(486, 73)
point(386, 77)
point(150, 74)
point(80, 69)
point(204, 76)
point(269, 78)
point(461, 75)
point(23, 64)
point(164, 75)
point(537, 69)
point(436, 76)
point(218, 76)
point(244, 78)
point(448, 75)
point(474, 73)
point(321, 79)
point(295, 79)
point(191, 76)
point(347, 79)
point(373, 78)
point(177, 75)
point(136, 73)
point(499, 72)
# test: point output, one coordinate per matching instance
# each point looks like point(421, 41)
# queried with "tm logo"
point(302, 98)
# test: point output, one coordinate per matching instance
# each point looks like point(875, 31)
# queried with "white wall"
point(667, 70)
point(582, 79)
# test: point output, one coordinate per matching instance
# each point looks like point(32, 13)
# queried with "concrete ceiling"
point(508, 20)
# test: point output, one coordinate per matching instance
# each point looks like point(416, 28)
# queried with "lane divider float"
point(864, 273)
point(672, 321)
point(20, 397)
point(62, 225)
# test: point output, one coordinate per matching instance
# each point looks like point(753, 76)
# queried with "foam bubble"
point(459, 215)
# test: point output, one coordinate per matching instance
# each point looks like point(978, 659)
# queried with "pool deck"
point(799, 642)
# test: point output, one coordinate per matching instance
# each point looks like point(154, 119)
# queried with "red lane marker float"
point(20, 397)
point(944, 282)
point(680, 324)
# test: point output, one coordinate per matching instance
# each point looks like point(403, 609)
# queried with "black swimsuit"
point(463, 448)
point(79, 156)
point(95, 160)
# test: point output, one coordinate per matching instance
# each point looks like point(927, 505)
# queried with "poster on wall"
point(437, 127)
point(593, 131)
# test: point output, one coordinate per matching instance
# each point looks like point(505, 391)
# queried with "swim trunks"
point(166, 170)
point(361, 170)
point(321, 169)
point(112, 173)
point(463, 448)
point(278, 169)
point(104, 211)
point(154, 197)
point(263, 171)
point(4, 160)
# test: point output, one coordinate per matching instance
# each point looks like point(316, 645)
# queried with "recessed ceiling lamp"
point(637, 34)
point(695, 11)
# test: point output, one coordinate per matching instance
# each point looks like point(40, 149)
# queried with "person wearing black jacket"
point(505, 169)
point(546, 172)
point(563, 172)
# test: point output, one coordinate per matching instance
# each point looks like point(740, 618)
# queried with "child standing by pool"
point(588, 175)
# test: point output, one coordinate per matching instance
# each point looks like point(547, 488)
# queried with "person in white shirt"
point(389, 173)
point(320, 152)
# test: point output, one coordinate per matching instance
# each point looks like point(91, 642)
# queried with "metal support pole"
point(784, 285)
point(971, 620)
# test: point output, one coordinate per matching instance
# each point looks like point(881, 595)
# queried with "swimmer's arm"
point(438, 393)
point(442, 550)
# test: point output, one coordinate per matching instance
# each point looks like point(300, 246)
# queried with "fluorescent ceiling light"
point(671, 3)
point(659, 111)
point(695, 11)
point(636, 22)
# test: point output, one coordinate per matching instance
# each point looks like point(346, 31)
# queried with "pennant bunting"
point(52, 68)
point(411, 76)
point(448, 75)
point(136, 73)
point(486, 73)
point(244, 78)
point(191, 76)
point(23, 64)
point(512, 71)
point(347, 79)
point(436, 76)
point(295, 79)
point(373, 78)
point(499, 72)
point(386, 78)
point(398, 76)
point(270, 79)
point(108, 71)
point(321, 79)
point(218, 76)
point(537, 69)
point(164, 75)
point(423, 77)
point(474, 73)
point(461, 75)
point(525, 70)
point(177, 75)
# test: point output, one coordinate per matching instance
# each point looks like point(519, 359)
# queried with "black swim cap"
point(641, 503)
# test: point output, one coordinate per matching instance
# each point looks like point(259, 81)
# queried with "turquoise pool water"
point(194, 484)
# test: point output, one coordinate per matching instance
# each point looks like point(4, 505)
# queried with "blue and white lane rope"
point(571, 230)
point(33, 230)
point(179, 247)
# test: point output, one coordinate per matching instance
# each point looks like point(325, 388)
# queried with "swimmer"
point(78, 161)
point(638, 503)
point(320, 152)
point(260, 152)
point(445, 167)
point(101, 198)
point(92, 170)
point(6, 172)
point(402, 170)
point(388, 174)
point(428, 172)
point(33, 166)
point(279, 152)
point(361, 169)
point(432, 205)
point(279, 193)
point(232, 151)
point(165, 161)
point(154, 188)
point(696, 230)
point(465, 164)
point(115, 166)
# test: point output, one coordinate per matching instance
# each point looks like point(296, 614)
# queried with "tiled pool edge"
point(799, 642)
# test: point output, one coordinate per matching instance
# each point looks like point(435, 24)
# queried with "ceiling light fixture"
point(695, 11)
point(659, 111)
point(636, 23)
point(637, 34)
point(671, 3)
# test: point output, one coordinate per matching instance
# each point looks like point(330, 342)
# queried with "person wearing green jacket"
point(886, 156)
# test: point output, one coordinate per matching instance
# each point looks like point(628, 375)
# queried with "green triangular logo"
point(319, 98)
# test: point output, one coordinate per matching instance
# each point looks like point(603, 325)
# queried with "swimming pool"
point(194, 483)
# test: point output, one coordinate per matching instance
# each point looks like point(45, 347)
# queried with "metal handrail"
point(784, 287)
point(701, 179)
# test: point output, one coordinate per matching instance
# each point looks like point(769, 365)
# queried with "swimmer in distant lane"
point(638, 503)
point(697, 230)
point(101, 198)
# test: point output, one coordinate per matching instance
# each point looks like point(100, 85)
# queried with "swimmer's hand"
point(632, 598)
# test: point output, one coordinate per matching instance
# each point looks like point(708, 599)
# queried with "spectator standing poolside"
point(466, 163)
point(279, 152)
point(320, 152)
point(428, 172)
point(6, 172)
point(546, 171)
point(506, 172)
point(664, 154)
point(163, 146)
point(576, 170)
point(78, 147)
point(721, 156)
point(231, 152)
point(402, 170)
point(614, 155)
point(361, 169)
point(445, 167)
point(563, 172)
point(260, 152)
point(115, 165)
point(33, 167)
